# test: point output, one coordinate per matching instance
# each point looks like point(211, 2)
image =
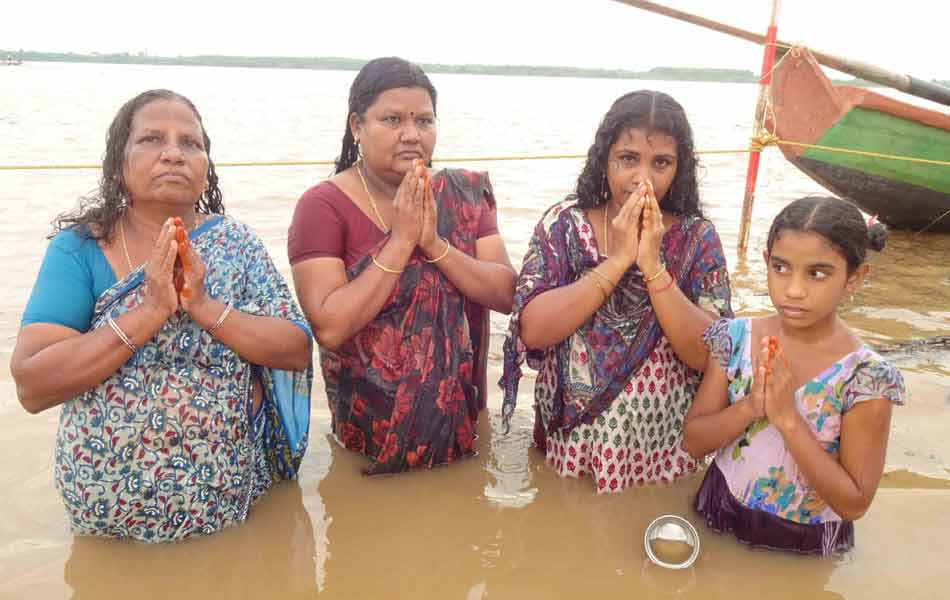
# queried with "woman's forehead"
point(404, 99)
point(642, 138)
point(164, 110)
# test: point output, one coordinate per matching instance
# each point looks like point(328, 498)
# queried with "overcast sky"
point(909, 36)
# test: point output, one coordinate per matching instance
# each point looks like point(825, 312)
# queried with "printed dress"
point(404, 389)
point(610, 399)
point(754, 487)
point(167, 447)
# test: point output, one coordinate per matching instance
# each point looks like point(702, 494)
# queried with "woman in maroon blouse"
point(396, 266)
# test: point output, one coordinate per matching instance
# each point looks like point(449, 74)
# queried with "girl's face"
point(637, 156)
point(808, 278)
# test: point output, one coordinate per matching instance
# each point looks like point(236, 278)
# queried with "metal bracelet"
point(125, 339)
point(658, 273)
point(224, 315)
point(448, 247)
point(386, 269)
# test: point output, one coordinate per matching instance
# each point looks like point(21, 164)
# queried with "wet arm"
point(683, 322)
point(338, 308)
point(487, 279)
point(53, 363)
point(554, 315)
point(261, 340)
point(712, 422)
point(847, 486)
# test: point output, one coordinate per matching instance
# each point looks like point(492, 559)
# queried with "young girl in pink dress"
point(795, 406)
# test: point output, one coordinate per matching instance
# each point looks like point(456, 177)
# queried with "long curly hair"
point(97, 214)
point(377, 76)
point(652, 112)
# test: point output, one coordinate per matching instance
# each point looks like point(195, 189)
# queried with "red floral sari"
point(403, 390)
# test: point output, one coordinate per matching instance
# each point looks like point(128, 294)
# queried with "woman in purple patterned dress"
point(618, 284)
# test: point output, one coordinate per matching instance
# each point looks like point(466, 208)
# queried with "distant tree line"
point(354, 64)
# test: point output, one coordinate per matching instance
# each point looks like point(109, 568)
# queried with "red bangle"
point(665, 287)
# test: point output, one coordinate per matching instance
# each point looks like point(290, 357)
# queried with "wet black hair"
point(836, 220)
point(103, 208)
point(377, 76)
point(652, 112)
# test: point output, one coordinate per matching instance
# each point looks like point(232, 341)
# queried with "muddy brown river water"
point(500, 525)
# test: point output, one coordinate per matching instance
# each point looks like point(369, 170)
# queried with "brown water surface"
point(500, 525)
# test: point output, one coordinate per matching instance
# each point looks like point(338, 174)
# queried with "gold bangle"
point(385, 268)
point(448, 247)
point(664, 288)
point(602, 276)
point(600, 287)
point(658, 273)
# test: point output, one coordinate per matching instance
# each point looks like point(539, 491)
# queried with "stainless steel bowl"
point(677, 542)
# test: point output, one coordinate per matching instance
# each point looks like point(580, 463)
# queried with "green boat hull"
point(900, 205)
point(904, 194)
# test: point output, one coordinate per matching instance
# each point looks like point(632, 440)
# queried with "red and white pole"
point(765, 81)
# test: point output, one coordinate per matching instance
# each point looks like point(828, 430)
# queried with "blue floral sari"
point(169, 445)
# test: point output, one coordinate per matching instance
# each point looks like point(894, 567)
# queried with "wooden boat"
point(808, 108)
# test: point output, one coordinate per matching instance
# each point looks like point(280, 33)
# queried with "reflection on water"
point(499, 525)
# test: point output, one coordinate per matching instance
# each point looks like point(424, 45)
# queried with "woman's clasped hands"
point(415, 213)
point(174, 274)
point(638, 230)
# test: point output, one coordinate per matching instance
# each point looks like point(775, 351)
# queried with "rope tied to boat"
point(913, 159)
point(763, 140)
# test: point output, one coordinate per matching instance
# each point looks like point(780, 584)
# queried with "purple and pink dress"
point(754, 488)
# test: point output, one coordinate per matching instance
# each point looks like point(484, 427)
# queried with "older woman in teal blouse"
point(182, 365)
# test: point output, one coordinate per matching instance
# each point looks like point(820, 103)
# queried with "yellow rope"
point(761, 141)
point(757, 143)
point(914, 159)
point(766, 139)
point(303, 163)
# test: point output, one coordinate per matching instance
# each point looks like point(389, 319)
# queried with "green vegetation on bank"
point(354, 64)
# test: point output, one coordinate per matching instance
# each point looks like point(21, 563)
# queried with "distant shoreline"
point(354, 64)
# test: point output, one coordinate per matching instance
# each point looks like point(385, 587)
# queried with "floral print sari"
point(168, 446)
point(402, 390)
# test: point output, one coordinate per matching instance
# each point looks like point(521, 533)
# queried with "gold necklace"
point(606, 238)
point(125, 245)
point(359, 172)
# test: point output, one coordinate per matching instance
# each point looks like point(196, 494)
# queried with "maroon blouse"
point(327, 223)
